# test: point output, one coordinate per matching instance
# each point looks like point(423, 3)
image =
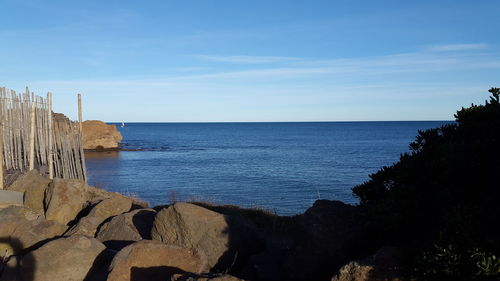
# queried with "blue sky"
point(188, 61)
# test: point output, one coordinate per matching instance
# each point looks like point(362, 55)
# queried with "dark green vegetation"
point(441, 201)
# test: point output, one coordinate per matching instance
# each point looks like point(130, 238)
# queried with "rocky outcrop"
point(64, 199)
point(179, 242)
point(222, 238)
point(127, 228)
point(103, 210)
point(69, 259)
point(152, 260)
point(98, 135)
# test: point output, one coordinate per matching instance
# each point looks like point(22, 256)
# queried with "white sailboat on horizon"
point(123, 125)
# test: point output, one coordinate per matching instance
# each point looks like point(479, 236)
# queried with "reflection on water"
point(101, 154)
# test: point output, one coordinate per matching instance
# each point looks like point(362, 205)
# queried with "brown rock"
point(382, 266)
point(12, 218)
point(152, 260)
point(99, 135)
point(191, 226)
point(127, 228)
point(64, 199)
point(31, 180)
point(69, 259)
point(35, 231)
point(102, 211)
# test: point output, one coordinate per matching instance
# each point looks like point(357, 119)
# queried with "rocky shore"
point(67, 230)
point(99, 136)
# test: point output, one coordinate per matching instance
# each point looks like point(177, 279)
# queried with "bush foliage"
point(442, 199)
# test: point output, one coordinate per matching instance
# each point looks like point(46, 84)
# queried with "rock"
point(31, 179)
point(97, 194)
point(153, 260)
point(30, 233)
point(223, 239)
point(69, 259)
point(102, 211)
point(11, 218)
point(99, 135)
point(64, 199)
point(10, 198)
point(382, 266)
point(127, 228)
point(331, 234)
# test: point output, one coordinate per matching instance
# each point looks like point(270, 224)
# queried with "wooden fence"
point(31, 138)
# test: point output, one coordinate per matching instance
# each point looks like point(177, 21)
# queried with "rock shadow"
point(10, 267)
point(154, 273)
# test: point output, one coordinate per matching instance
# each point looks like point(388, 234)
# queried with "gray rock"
point(10, 198)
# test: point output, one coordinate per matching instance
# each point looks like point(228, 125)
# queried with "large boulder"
point(225, 240)
point(69, 259)
point(12, 218)
point(100, 212)
point(29, 180)
point(99, 135)
point(37, 231)
point(64, 199)
point(152, 260)
point(330, 234)
point(127, 228)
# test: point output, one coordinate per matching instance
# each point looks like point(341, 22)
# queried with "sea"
point(279, 167)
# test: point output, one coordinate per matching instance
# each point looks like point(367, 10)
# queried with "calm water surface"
point(283, 167)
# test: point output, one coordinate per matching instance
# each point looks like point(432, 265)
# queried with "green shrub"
point(445, 191)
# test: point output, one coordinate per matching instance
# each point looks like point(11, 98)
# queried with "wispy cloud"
point(245, 59)
point(458, 47)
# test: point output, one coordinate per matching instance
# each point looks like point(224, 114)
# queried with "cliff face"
point(99, 135)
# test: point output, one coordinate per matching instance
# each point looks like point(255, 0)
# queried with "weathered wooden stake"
point(80, 111)
point(1, 156)
point(51, 135)
point(82, 154)
point(32, 137)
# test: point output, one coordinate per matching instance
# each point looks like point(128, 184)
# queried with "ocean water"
point(282, 167)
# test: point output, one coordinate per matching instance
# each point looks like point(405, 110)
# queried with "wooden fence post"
point(51, 135)
point(32, 136)
point(82, 155)
point(80, 111)
point(1, 155)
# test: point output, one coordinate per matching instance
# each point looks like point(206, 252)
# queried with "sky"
point(253, 61)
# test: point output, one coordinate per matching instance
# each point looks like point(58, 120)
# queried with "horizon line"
point(218, 122)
